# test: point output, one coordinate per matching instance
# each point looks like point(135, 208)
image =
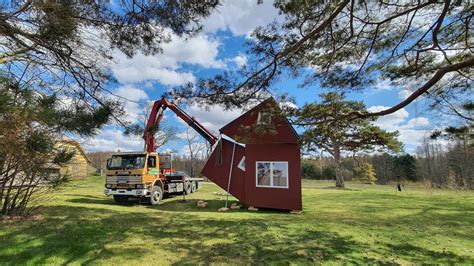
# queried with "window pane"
point(152, 161)
point(264, 118)
point(241, 164)
point(280, 174)
point(263, 174)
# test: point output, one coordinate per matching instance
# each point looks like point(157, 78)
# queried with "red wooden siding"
point(220, 174)
point(277, 198)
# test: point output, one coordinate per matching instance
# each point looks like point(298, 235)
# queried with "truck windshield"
point(134, 161)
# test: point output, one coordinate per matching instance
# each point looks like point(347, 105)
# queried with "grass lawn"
point(363, 224)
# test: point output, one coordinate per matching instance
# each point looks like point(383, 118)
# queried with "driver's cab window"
point(151, 161)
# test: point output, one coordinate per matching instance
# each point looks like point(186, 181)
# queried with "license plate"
point(122, 191)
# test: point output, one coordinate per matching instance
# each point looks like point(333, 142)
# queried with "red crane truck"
point(149, 175)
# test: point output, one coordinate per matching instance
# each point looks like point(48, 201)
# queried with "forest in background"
point(436, 164)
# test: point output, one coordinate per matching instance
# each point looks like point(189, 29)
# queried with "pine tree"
point(424, 47)
point(66, 47)
point(30, 125)
point(328, 129)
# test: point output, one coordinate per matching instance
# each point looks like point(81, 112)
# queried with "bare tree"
point(164, 134)
point(196, 149)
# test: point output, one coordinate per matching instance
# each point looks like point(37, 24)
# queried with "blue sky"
point(220, 46)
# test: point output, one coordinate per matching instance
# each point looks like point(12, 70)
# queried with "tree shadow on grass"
point(422, 255)
point(90, 235)
point(84, 199)
point(250, 243)
point(79, 237)
point(87, 235)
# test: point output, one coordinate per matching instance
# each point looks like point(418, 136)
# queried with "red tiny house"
point(270, 175)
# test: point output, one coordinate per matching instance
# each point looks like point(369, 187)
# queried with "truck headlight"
point(140, 186)
point(108, 185)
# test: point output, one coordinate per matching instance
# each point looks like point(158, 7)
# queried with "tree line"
point(438, 165)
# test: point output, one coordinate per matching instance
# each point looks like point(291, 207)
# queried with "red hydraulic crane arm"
point(156, 115)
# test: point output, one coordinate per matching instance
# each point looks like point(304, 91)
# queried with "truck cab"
point(148, 176)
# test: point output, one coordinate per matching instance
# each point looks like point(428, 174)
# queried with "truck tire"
point(187, 188)
point(121, 199)
point(156, 195)
point(193, 187)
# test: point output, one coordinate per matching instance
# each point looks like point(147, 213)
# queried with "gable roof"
point(247, 130)
point(75, 143)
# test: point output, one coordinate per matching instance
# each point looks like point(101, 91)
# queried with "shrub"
point(329, 172)
point(365, 174)
point(310, 170)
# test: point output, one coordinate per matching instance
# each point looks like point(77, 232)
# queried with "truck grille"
point(123, 179)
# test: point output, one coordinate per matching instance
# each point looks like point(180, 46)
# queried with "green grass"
point(363, 224)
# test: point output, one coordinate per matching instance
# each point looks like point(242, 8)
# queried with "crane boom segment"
point(156, 115)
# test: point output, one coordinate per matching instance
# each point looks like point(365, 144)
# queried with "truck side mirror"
point(108, 163)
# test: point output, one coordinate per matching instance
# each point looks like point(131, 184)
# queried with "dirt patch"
point(12, 219)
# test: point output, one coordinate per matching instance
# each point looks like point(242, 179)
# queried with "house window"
point(272, 174)
point(241, 164)
point(264, 118)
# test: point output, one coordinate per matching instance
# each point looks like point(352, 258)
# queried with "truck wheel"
point(156, 195)
point(187, 188)
point(121, 199)
point(193, 187)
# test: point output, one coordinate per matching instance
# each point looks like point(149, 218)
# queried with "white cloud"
point(403, 94)
point(166, 67)
point(412, 136)
point(113, 140)
point(411, 132)
point(240, 60)
point(408, 86)
point(383, 84)
point(131, 93)
point(288, 104)
point(241, 17)
point(134, 103)
point(213, 118)
point(417, 122)
point(201, 50)
point(391, 121)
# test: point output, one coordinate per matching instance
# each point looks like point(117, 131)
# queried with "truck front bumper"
point(126, 192)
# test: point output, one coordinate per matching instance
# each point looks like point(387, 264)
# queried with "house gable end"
point(262, 124)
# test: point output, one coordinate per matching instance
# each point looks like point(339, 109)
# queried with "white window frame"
point(271, 174)
point(260, 117)
point(241, 164)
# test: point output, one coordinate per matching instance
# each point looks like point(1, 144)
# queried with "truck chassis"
point(122, 188)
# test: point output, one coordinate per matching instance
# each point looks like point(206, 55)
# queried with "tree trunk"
point(337, 159)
